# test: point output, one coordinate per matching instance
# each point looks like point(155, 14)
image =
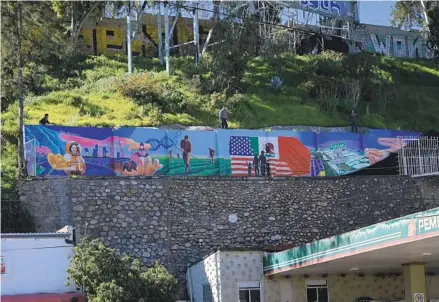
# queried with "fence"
point(419, 156)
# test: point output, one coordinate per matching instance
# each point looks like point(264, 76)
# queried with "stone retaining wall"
point(178, 221)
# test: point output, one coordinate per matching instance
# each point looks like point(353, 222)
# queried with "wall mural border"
point(94, 151)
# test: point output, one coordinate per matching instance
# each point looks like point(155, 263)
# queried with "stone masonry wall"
point(178, 221)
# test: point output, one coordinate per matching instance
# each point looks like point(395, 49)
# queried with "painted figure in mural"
point(129, 166)
point(141, 163)
point(249, 169)
point(224, 116)
point(178, 156)
point(45, 120)
point(211, 155)
point(256, 164)
point(268, 169)
point(75, 162)
point(262, 162)
point(171, 158)
point(353, 120)
point(186, 147)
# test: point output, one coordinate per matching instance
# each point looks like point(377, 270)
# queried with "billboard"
point(345, 10)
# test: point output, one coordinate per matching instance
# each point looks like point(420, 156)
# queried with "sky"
point(376, 12)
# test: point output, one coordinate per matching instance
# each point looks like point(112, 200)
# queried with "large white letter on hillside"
point(399, 46)
point(379, 46)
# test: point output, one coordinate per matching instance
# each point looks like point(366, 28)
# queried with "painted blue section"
point(91, 151)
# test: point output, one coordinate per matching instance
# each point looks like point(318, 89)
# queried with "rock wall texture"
point(179, 220)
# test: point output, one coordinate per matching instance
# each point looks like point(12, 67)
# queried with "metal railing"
point(419, 156)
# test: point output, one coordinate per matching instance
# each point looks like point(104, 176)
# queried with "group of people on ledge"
point(224, 117)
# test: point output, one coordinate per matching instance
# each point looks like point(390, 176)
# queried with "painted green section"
point(254, 143)
point(369, 237)
point(338, 146)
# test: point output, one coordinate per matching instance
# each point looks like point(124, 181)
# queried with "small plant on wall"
point(108, 277)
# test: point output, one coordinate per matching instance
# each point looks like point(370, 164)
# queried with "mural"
point(70, 151)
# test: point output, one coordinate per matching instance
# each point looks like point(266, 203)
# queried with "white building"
point(35, 263)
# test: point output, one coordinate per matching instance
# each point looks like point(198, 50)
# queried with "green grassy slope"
point(103, 99)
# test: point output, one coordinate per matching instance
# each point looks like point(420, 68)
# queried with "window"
point(249, 291)
point(110, 33)
point(207, 293)
point(317, 291)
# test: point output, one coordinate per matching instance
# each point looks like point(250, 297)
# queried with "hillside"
point(105, 96)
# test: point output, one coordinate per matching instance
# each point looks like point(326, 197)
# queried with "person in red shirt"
point(186, 147)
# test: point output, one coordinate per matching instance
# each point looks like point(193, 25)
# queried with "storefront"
point(396, 260)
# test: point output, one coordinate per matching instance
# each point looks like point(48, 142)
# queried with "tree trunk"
point(77, 30)
point(21, 158)
point(215, 22)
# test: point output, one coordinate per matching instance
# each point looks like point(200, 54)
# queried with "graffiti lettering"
point(331, 7)
point(401, 46)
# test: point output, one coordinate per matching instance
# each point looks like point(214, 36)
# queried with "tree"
point(409, 14)
point(41, 46)
point(433, 26)
point(108, 277)
point(78, 12)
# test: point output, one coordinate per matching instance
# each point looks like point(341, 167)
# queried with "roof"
point(33, 235)
point(230, 249)
point(417, 233)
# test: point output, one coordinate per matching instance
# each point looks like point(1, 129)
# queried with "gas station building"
point(395, 260)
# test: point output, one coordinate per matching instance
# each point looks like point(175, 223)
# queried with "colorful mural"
point(67, 151)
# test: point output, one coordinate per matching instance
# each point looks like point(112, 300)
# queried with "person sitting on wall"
point(45, 120)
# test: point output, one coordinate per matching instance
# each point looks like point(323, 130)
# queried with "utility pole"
point(196, 34)
point(159, 33)
point(21, 158)
point(130, 54)
point(166, 15)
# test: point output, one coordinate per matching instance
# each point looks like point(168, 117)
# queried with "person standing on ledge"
point(45, 120)
point(353, 120)
point(223, 116)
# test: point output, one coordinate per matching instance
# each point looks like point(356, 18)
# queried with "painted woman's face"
point(75, 150)
point(142, 147)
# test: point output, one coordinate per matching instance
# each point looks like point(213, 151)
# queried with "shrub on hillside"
point(108, 277)
point(155, 89)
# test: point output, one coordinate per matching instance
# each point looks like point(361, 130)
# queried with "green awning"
point(393, 232)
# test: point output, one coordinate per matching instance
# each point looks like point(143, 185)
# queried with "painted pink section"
point(86, 142)
point(43, 150)
point(45, 297)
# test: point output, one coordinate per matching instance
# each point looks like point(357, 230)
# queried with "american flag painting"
point(242, 150)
